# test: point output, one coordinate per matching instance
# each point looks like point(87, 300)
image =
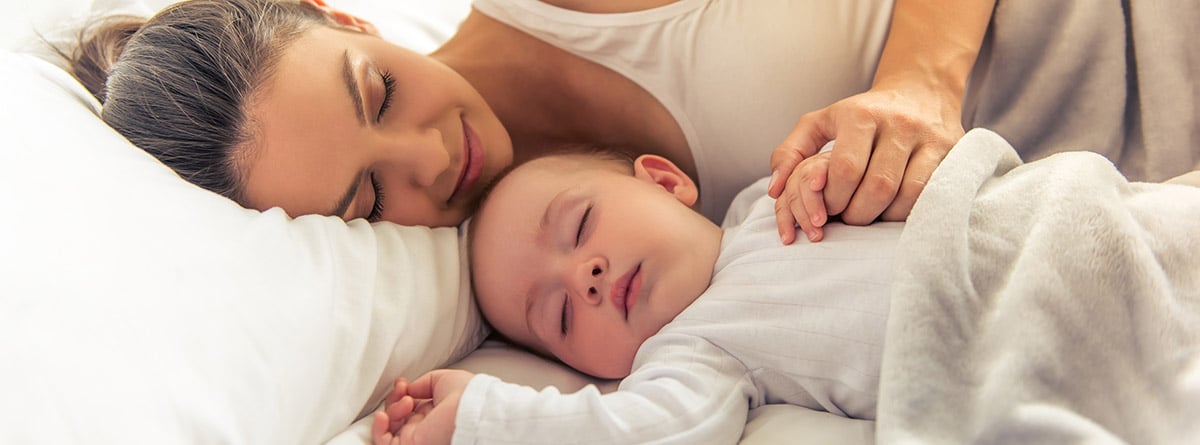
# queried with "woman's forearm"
point(933, 45)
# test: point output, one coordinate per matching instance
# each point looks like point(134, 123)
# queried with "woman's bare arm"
point(892, 137)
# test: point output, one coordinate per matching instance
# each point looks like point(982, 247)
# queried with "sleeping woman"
point(297, 105)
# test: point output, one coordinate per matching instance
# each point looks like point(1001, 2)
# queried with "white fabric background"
point(135, 307)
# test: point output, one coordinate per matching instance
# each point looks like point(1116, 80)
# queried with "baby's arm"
point(697, 395)
point(800, 199)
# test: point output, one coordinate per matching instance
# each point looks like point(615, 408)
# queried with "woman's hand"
point(892, 137)
point(889, 141)
point(421, 412)
point(801, 200)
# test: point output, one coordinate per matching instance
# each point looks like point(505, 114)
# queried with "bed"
point(137, 308)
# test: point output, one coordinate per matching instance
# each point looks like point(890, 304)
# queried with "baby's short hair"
point(619, 156)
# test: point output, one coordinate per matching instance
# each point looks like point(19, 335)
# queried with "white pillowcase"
point(135, 307)
point(420, 25)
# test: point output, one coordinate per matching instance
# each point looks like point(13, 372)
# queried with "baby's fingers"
point(800, 207)
point(381, 434)
point(400, 410)
point(806, 200)
point(399, 389)
point(814, 198)
point(793, 209)
point(785, 221)
point(402, 407)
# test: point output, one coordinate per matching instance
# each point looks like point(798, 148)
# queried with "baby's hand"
point(800, 199)
point(421, 412)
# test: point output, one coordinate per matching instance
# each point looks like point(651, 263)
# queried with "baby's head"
point(585, 255)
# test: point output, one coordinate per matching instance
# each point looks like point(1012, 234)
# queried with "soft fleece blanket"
point(1051, 302)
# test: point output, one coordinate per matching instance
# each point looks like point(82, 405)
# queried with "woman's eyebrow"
point(352, 88)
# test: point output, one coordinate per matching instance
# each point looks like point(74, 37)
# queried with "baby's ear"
point(664, 173)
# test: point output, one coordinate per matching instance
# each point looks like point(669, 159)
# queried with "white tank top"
point(735, 75)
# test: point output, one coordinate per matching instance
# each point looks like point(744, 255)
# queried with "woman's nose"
point(587, 278)
point(422, 153)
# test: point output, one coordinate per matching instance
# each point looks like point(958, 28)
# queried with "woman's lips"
point(472, 162)
point(625, 291)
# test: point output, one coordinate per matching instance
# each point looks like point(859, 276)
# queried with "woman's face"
point(350, 125)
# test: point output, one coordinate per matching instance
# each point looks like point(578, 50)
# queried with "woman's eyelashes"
point(377, 206)
point(389, 89)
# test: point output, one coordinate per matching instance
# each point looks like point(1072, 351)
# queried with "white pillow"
point(135, 307)
point(21, 21)
point(420, 25)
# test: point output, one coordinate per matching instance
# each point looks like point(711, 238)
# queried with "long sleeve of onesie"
point(683, 389)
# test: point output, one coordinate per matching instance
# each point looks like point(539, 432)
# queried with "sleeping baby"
point(600, 261)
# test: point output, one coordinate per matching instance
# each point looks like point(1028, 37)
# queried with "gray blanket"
point(1050, 302)
point(1118, 77)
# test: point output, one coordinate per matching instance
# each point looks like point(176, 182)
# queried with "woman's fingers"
point(806, 138)
point(920, 168)
point(849, 158)
point(881, 182)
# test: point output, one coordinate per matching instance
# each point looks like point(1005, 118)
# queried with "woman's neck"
point(517, 76)
point(547, 97)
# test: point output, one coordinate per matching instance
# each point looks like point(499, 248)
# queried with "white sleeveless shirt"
point(720, 67)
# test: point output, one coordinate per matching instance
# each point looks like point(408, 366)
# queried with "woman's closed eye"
point(389, 89)
point(377, 206)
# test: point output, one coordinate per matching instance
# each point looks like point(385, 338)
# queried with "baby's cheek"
point(609, 358)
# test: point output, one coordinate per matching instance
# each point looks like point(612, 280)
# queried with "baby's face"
point(585, 262)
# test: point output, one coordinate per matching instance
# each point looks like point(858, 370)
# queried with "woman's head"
point(296, 105)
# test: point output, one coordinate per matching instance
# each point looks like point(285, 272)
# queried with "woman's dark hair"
point(177, 85)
